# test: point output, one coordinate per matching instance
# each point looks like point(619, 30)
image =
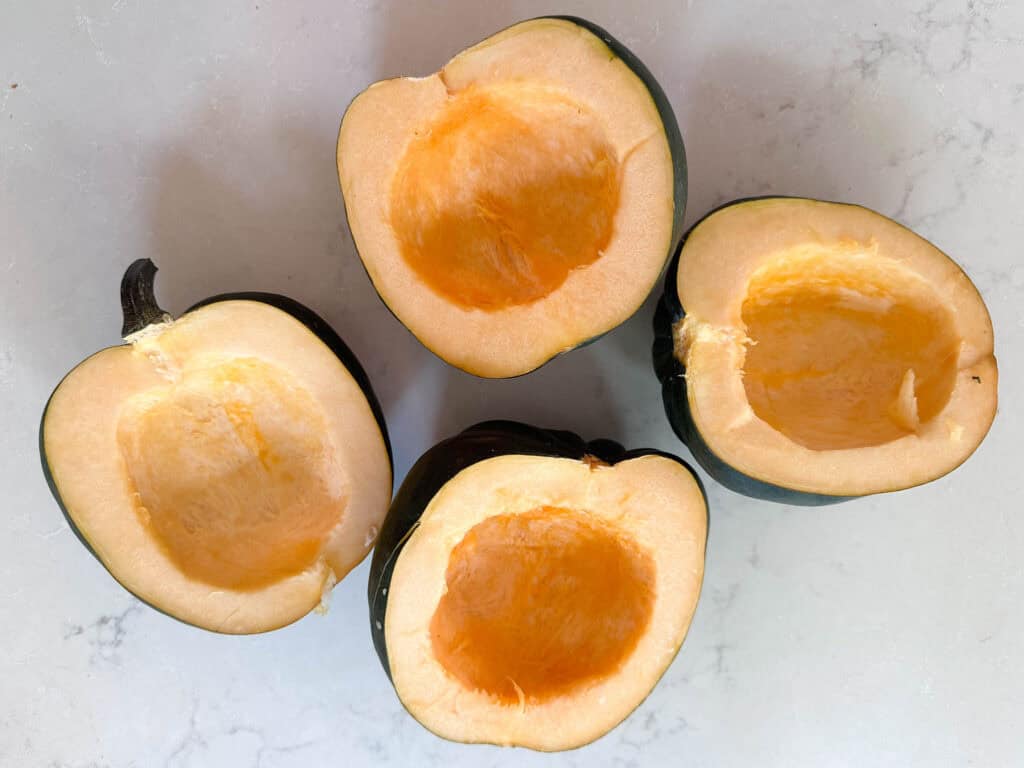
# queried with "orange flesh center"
point(233, 473)
point(541, 602)
point(849, 350)
point(510, 188)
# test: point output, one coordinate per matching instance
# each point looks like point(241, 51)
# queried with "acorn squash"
point(530, 588)
point(227, 467)
point(813, 351)
point(519, 202)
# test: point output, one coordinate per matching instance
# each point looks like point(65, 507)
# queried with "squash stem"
point(138, 302)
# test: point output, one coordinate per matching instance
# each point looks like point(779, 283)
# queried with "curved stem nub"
point(138, 303)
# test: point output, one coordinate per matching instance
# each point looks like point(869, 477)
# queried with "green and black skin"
point(672, 374)
point(140, 309)
point(449, 457)
point(672, 135)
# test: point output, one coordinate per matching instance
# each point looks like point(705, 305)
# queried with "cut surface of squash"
point(537, 599)
point(518, 202)
point(226, 467)
point(511, 188)
point(827, 350)
point(256, 485)
point(833, 336)
point(541, 602)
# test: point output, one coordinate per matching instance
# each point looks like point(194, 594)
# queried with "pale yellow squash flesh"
point(540, 599)
point(514, 204)
point(225, 467)
point(232, 468)
point(830, 350)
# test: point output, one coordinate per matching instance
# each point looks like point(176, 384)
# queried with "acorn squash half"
point(812, 351)
point(530, 588)
point(519, 202)
point(227, 467)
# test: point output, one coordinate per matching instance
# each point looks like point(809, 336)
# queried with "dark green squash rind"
point(445, 460)
point(303, 314)
point(672, 374)
point(677, 151)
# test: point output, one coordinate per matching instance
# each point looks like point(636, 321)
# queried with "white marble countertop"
point(881, 632)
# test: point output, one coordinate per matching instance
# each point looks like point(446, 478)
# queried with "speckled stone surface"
point(881, 632)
